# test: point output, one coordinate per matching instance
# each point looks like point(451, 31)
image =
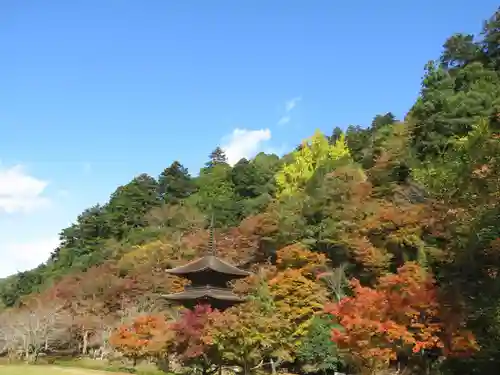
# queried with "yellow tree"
point(297, 300)
point(312, 154)
point(296, 293)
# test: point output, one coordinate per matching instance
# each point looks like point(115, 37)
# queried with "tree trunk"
point(36, 355)
point(273, 367)
point(26, 349)
point(85, 343)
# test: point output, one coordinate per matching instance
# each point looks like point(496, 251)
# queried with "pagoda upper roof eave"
point(209, 262)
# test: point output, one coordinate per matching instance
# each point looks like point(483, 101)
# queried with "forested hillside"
point(372, 248)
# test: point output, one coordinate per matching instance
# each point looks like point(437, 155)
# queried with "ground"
point(48, 370)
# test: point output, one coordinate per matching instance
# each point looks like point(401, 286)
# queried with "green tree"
point(358, 141)
point(450, 104)
point(244, 175)
point(318, 352)
point(336, 134)
point(491, 40)
point(216, 194)
point(380, 121)
point(217, 156)
point(459, 50)
point(129, 204)
point(175, 184)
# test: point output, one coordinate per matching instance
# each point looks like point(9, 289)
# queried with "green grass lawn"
point(77, 367)
point(47, 370)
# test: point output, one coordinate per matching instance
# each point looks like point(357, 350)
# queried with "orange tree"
point(299, 257)
point(146, 336)
point(399, 318)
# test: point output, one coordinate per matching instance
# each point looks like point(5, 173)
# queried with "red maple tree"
point(400, 316)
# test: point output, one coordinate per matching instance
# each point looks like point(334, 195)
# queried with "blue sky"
point(93, 92)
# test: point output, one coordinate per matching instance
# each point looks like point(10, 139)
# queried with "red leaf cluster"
point(192, 337)
point(401, 314)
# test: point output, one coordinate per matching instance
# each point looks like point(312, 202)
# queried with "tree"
point(248, 333)
point(358, 141)
point(216, 195)
point(449, 105)
point(175, 184)
point(169, 219)
point(93, 299)
point(490, 44)
point(318, 352)
point(313, 154)
point(400, 318)
point(459, 50)
point(82, 243)
point(380, 121)
point(297, 256)
point(297, 299)
point(39, 323)
point(193, 342)
point(129, 204)
point(146, 336)
point(336, 134)
point(217, 156)
point(245, 178)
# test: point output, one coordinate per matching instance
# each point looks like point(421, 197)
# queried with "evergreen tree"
point(175, 184)
point(217, 156)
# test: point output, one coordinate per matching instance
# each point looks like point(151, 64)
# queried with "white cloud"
point(244, 143)
point(284, 120)
point(292, 103)
point(289, 106)
point(20, 192)
point(22, 256)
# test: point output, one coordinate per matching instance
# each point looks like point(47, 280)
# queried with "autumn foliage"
point(192, 337)
point(248, 332)
point(147, 335)
point(153, 336)
point(298, 257)
point(399, 316)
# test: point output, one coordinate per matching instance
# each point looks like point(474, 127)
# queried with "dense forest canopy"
point(375, 247)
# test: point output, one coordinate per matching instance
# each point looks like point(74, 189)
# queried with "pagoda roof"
point(205, 292)
point(209, 263)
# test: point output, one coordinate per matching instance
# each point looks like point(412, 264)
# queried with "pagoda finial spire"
point(211, 242)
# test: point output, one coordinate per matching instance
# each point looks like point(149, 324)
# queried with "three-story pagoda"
point(210, 277)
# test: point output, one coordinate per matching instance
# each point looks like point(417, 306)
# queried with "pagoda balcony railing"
point(205, 287)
